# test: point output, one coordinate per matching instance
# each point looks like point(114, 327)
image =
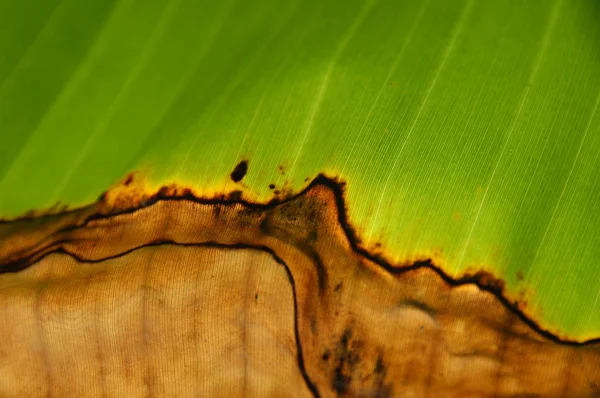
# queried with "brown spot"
point(519, 275)
point(271, 186)
point(381, 388)
point(235, 196)
point(239, 172)
point(128, 180)
point(488, 280)
point(346, 361)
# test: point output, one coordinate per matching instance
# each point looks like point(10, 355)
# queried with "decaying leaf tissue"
point(320, 198)
point(219, 297)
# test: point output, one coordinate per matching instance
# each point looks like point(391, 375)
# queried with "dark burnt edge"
point(475, 279)
point(311, 386)
point(337, 187)
point(236, 246)
point(267, 229)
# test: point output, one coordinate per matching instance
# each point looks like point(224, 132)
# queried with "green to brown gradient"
point(467, 131)
point(179, 295)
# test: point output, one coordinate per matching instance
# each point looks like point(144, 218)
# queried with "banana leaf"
point(461, 136)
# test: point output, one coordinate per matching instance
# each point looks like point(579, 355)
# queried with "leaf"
point(467, 131)
point(209, 298)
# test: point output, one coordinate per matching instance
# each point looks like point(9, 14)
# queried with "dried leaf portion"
point(163, 321)
point(188, 297)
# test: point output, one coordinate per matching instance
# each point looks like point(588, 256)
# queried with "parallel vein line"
point(409, 38)
point(56, 17)
point(521, 103)
point(447, 51)
point(562, 193)
point(324, 85)
point(159, 30)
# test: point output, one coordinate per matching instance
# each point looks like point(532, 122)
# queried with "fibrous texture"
point(183, 296)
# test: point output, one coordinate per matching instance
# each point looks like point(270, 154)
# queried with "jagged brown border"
point(483, 280)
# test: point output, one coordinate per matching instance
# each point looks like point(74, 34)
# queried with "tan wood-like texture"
point(186, 297)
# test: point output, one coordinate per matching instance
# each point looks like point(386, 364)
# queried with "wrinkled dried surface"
point(207, 299)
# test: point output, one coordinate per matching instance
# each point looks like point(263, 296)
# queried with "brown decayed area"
point(152, 323)
point(222, 298)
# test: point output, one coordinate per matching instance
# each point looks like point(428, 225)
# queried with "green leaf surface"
point(467, 130)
